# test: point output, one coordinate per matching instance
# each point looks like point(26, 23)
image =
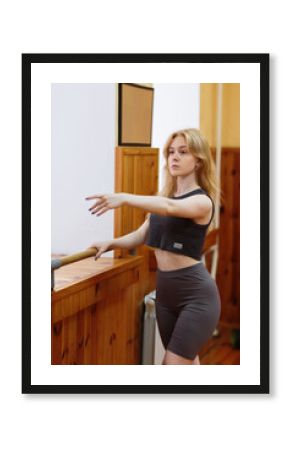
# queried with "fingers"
point(99, 253)
point(103, 210)
point(101, 206)
point(99, 249)
point(101, 197)
point(94, 205)
point(98, 206)
point(92, 197)
point(101, 202)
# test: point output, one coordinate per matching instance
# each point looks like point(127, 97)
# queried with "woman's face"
point(180, 160)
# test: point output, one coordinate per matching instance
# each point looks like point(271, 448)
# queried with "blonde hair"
point(205, 175)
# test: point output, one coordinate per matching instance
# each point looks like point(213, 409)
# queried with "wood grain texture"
point(97, 312)
point(228, 271)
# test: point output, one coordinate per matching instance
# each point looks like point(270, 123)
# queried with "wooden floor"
point(219, 350)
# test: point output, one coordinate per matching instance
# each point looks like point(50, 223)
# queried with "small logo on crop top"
point(177, 245)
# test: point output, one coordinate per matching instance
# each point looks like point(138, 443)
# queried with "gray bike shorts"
point(188, 308)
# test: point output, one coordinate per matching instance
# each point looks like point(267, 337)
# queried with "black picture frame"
point(263, 61)
point(121, 119)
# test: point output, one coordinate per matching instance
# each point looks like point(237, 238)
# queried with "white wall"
point(82, 154)
point(176, 106)
point(84, 136)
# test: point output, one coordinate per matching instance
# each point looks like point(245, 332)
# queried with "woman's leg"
point(192, 329)
point(172, 358)
point(166, 320)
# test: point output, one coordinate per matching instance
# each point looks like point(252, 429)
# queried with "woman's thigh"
point(166, 320)
point(187, 310)
point(193, 328)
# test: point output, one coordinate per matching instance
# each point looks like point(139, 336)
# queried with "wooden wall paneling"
point(134, 329)
point(227, 236)
point(56, 342)
point(136, 172)
point(208, 111)
point(64, 341)
point(228, 272)
point(127, 316)
point(80, 336)
point(234, 214)
point(72, 343)
point(111, 310)
point(102, 342)
point(231, 115)
point(98, 321)
point(128, 185)
point(223, 280)
point(236, 251)
point(94, 334)
point(87, 335)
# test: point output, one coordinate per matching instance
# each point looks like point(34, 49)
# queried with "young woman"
point(187, 299)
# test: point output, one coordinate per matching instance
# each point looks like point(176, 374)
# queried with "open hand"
point(105, 202)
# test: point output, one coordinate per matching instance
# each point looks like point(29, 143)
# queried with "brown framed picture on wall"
point(135, 114)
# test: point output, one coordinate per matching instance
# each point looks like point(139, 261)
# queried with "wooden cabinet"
point(97, 312)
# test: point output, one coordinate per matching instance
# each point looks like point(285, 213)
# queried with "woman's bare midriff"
point(171, 261)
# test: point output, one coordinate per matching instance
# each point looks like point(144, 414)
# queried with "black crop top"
point(178, 234)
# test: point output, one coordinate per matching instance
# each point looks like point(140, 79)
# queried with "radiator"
point(152, 348)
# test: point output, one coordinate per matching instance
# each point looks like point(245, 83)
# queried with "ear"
point(198, 163)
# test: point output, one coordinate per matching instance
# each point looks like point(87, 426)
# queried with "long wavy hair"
point(205, 174)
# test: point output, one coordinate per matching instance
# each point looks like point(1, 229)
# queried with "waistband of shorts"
point(191, 268)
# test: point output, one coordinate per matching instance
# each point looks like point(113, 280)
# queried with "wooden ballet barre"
point(64, 260)
point(57, 263)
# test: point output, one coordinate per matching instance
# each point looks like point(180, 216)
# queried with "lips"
point(174, 166)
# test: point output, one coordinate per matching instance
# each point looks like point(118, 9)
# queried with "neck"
point(185, 184)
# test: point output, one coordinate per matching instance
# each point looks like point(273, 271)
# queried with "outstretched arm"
point(192, 207)
point(149, 203)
